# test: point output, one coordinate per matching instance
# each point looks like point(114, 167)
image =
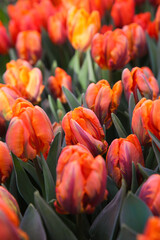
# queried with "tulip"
point(31, 130)
point(110, 50)
point(155, 2)
point(28, 46)
point(152, 230)
point(103, 100)
point(141, 79)
point(150, 193)
point(152, 31)
point(123, 12)
point(4, 40)
point(143, 19)
point(136, 39)
point(8, 95)
point(82, 26)
point(121, 153)
point(82, 126)
point(138, 2)
point(26, 79)
point(81, 180)
point(55, 84)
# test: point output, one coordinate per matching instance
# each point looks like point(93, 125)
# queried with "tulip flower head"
point(31, 130)
point(121, 153)
point(81, 180)
point(4, 40)
point(103, 100)
point(150, 193)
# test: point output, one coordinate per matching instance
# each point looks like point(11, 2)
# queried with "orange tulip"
point(26, 79)
point(123, 12)
point(150, 193)
point(28, 46)
point(84, 187)
point(141, 79)
point(31, 130)
point(111, 49)
point(152, 230)
point(152, 31)
point(8, 95)
point(136, 39)
point(82, 26)
point(143, 19)
point(82, 126)
point(6, 164)
point(103, 100)
point(4, 40)
point(121, 153)
point(55, 84)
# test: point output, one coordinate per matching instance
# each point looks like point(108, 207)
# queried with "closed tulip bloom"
point(81, 180)
point(26, 79)
point(56, 82)
point(121, 153)
point(4, 40)
point(31, 130)
point(150, 193)
point(143, 19)
point(152, 230)
point(110, 50)
point(136, 39)
point(8, 95)
point(82, 126)
point(6, 164)
point(103, 100)
point(28, 46)
point(82, 26)
point(141, 79)
point(123, 12)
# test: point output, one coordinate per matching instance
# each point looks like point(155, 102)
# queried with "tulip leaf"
point(127, 233)
point(83, 75)
point(60, 110)
point(74, 67)
point(71, 99)
point(154, 138)
point(152, 53)
point(52, 105)
point(24, 185)
point(146, 172)
point(149, 159)
point(84, 104)
point(157, 153)
point(134, 184)
point(134, 213)
point(56, 229)
point(48, 180)
point(111, 187)
point(31, 223)
point(54, 154)
point(119, 127)
point(91, 72)
point(131, 107)
point(105, 225)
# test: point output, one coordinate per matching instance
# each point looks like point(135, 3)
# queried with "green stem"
point(39, 174)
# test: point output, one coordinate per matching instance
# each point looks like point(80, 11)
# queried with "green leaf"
point(24, 185)
point(127, 234)
point(31, 170)
point(83, 100)
point(56, 229)
point(60, 110)
point(71, 99)
point(149, 159)
point(48, 180)
point(118, 125)
point(152, 53)
point(146, 172)
point(54, 154)
point(131, 106)
point(154, 138)
point(32, 224)
point(157, 153)
point(91, 72)
point(105, 225)
point(134, 184)
point(83, 74)
point(135, 213)
point(74, 67)
point(52, 105)
point(111, 187)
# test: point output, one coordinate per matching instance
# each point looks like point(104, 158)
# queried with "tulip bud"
point(84, 187)
point(150, 193)
point(152, 230)
point(141, 79)
point(26, 79)
point(56, 82)
point(82, 26)
point(103, 100)
point(31, 130)
point(121, 153)
point(28, 46)
point(82, 126)
point(143, 19)
point(111, 49)
point(4, 40)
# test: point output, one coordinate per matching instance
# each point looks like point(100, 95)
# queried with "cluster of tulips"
point(79, 120)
